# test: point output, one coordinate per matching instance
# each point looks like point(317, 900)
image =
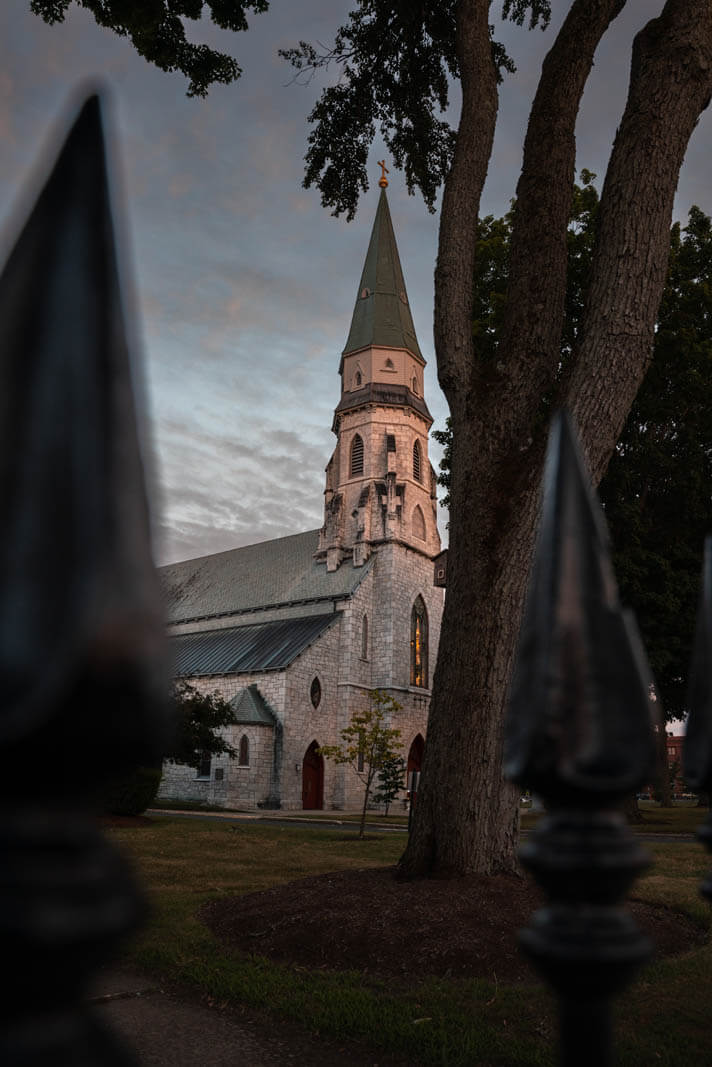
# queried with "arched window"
point(418, 523)
point(417, 461)
point(364, 637)
point(356, 456)
point(357, 379)
point(419, 644)
point(415, 386)
point(315, 692)
point(243, 759)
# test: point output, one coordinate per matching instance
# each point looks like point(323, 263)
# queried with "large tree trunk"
point(467, 817)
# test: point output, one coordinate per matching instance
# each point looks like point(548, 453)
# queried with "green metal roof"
point(266, 646)
point(250, 708)
point(382, 315)
point(268, 574)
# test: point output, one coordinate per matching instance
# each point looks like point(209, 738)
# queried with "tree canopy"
point(157, 32)
point(657, 492)
point(198, 719)
point(369, 744)
point(396, 62)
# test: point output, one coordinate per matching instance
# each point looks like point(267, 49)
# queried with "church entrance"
point(313, 778)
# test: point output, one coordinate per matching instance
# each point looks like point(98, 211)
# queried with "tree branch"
point(531, 340)
point(670, 85)
point(461, 201)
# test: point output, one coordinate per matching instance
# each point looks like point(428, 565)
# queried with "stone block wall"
point(238, 787)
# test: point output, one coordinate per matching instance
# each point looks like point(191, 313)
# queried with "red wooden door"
point(313, 778)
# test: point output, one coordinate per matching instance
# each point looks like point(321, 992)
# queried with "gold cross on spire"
point(383, 180)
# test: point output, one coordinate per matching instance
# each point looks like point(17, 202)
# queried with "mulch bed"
point(367, 921)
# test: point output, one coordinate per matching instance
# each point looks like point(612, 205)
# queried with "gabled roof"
point(268, 574)
point(381, 314)
point(263, 646)
point(251, 708)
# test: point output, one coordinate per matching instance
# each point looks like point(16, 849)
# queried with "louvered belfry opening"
point(417, 465)
point(357, 456)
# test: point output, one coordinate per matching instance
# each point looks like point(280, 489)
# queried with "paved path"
point(281, 818)
point(169, 1028)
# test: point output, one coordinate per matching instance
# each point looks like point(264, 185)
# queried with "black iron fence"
point(580, 734)
point(84, 669)
point(84, 680)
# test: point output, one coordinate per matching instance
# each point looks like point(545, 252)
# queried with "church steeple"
point(382, 315)
point(382, 362)
point(380, 487)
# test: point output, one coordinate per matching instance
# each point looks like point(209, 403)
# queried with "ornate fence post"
point(579, 734)
point(84, 685)
point(698, 739)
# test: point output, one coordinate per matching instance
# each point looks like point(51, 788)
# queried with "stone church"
point(295, 632)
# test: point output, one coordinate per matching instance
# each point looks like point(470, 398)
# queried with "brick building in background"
point(295, 632)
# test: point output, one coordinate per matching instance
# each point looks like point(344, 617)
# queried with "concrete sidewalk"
point(171, 1028)
point(304, 818)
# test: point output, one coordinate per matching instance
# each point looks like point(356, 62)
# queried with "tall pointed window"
point(356, 456)
point(364, 637)
point(417, 464)
point(244, 754)
point(419, 644)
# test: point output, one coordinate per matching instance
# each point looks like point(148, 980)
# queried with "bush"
point(133, 793)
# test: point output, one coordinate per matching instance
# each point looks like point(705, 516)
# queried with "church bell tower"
point(380, 485)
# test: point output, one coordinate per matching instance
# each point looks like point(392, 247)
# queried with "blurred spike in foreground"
point(81, 632)
point(579, 734)
point(698, 739)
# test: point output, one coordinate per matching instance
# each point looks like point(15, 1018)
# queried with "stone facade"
point(369, 578)
point(385, 599)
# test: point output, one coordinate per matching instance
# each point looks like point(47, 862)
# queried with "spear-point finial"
point(579, 735)
point(82, 635)
point(383, 180)
point(580, 718)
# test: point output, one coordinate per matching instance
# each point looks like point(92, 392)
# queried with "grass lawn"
point(682, 819)
point(662, 1019)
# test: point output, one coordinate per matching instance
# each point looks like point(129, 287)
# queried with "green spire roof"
point(382, 315)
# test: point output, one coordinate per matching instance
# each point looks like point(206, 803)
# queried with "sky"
point(244, 285)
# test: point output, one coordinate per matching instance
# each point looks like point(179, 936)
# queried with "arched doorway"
point(313, 778)
point(415, 763)
point(415, 755)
